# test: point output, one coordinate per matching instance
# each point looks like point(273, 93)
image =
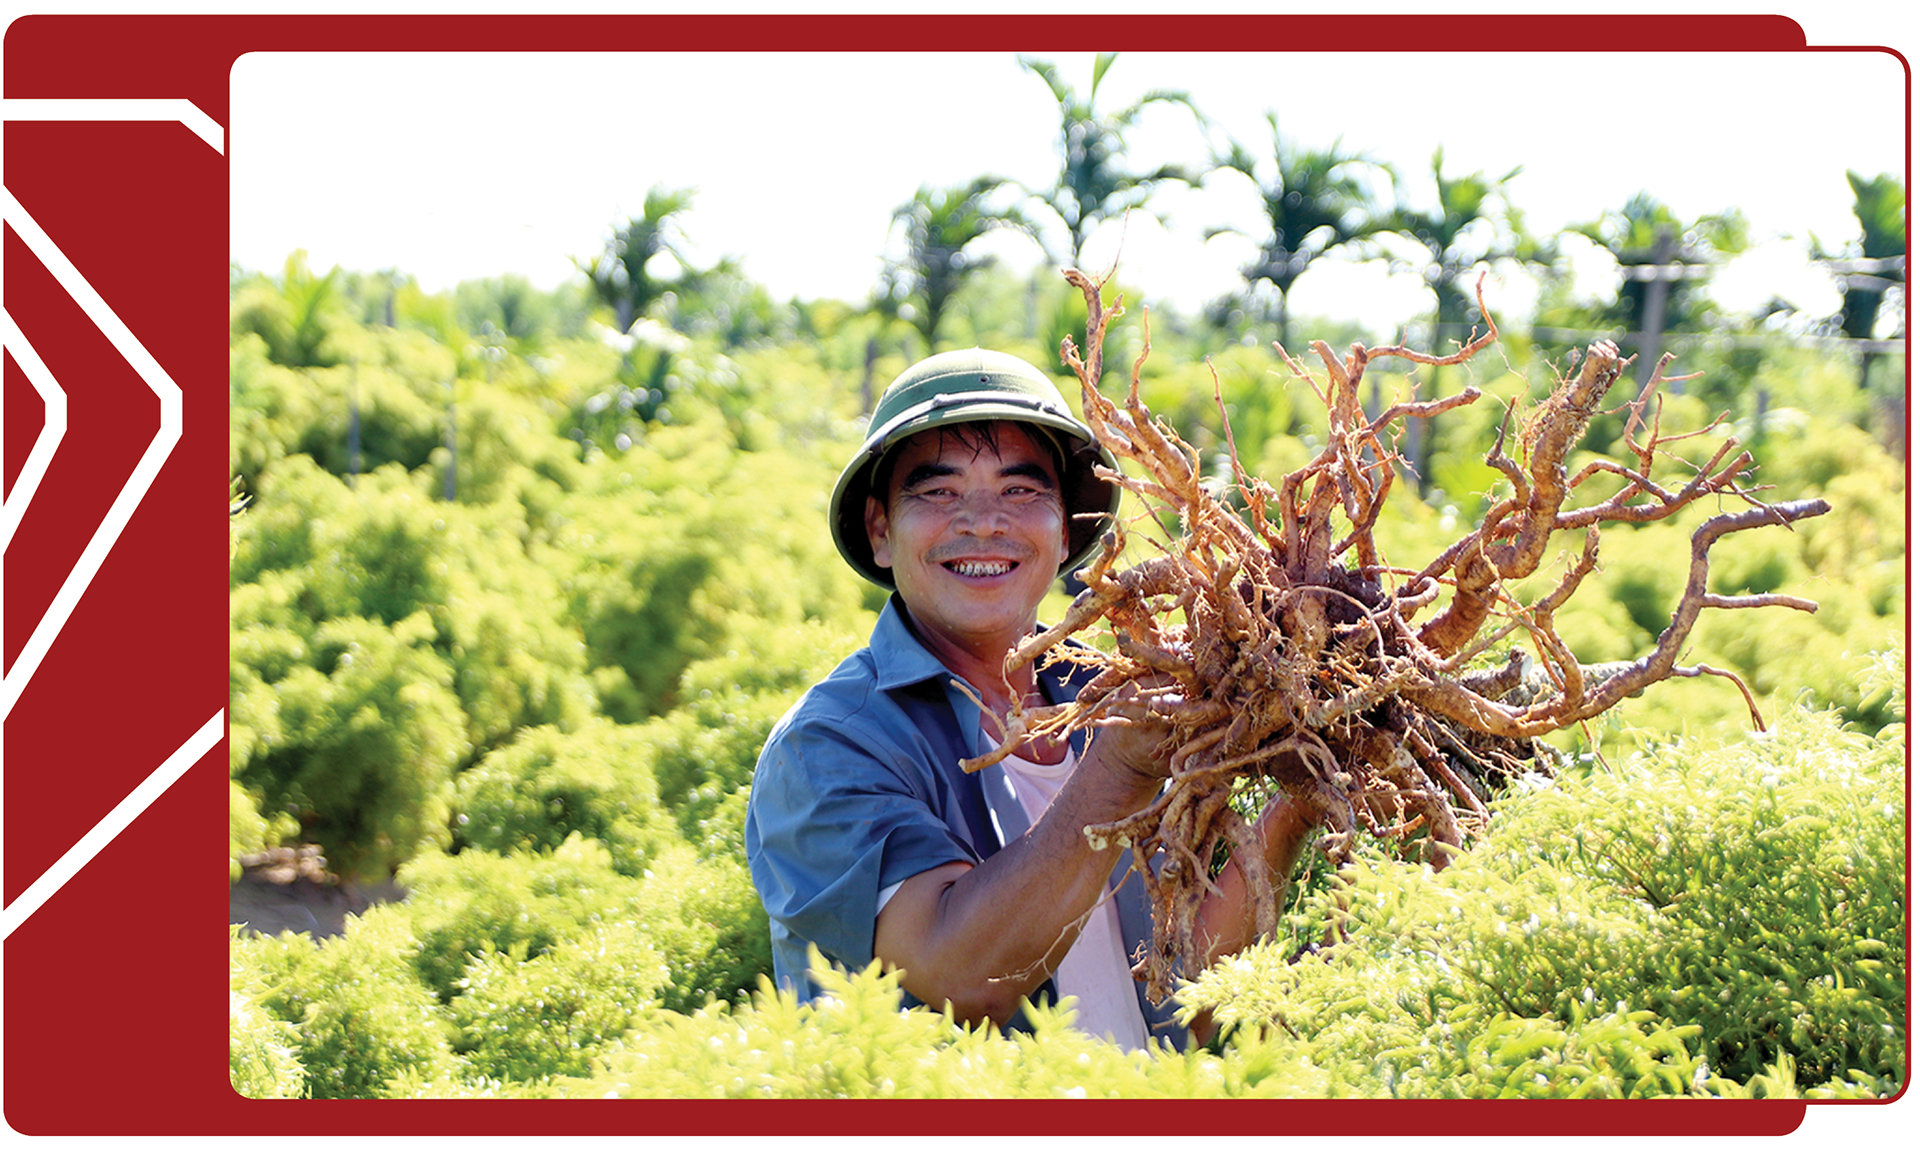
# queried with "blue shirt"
point(860, 787)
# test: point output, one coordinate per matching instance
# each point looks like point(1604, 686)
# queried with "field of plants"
point(521, 579)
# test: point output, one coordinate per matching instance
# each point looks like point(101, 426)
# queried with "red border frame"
point(122, 1033)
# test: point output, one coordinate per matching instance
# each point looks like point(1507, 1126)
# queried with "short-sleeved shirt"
point(860, 787)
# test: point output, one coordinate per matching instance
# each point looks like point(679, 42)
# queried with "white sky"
point(461, 166)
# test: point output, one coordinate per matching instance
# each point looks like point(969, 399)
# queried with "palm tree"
point(619, 274)
point(1470, 224)
point(940, 224)
point(1868, 269)
point(1880, 204)
point(1093, 184)
point(1316, 201)
point(1646, 235)
point(296, 316)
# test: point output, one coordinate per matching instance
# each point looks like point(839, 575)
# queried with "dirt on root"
point(290, 889)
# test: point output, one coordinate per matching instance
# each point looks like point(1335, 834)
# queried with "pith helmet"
point(971, 386)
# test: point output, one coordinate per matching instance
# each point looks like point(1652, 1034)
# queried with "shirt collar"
point(899, 658)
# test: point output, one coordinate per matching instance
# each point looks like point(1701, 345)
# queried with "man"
point(974, 490)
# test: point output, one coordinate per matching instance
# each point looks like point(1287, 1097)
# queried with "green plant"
point(526, 1019)
point(704, 751)
point(263, 1050)
point(1680, 924)
point(361, 1014)
point(369, 739)
point(855, 1042)
point(701, 914)
point(549, 784)
point(1773, 869)
point(684, 549)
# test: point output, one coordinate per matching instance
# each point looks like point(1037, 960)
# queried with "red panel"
point(26, 415)
point(118, 1028)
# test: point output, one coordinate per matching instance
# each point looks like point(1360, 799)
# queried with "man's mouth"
point(979, 568)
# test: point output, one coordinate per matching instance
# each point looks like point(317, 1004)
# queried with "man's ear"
point(877, 533)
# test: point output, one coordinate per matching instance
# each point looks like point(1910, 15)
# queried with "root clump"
point(1290, 660)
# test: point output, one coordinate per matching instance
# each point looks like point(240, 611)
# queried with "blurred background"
point(542, 368)
point(797, 161)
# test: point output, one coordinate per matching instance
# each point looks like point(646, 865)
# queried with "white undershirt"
point(1095, 970)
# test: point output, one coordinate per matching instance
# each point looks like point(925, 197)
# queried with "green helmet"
point(974, 386)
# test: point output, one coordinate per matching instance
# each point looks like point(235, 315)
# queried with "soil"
point(290, 889)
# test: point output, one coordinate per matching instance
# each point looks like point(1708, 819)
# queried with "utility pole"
point(1653, 319)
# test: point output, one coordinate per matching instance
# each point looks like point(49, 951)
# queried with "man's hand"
point(1135, 740)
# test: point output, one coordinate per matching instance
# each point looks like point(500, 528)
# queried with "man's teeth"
point(980, 567)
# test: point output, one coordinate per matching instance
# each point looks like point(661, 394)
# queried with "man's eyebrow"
point(924, 472)
point(1029, 471)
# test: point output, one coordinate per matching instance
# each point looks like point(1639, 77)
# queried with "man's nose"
point(982, 513)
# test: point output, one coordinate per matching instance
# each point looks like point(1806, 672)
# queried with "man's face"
point(974, 532)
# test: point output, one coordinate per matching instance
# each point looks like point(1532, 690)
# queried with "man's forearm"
point(982, 936)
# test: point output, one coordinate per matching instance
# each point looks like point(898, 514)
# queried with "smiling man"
point(974, 490)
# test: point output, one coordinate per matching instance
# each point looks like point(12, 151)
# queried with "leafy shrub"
point(1867, 525)
point(1824, 670)
point(377, 646)
point(270, 406)
point(461, 907)
point(531, 1019)
point(1755, 562)
point(855, 1042)
point(263, 1051)
point(1775, 872)
point(683, 548)
point(403, 415)
point(1682, 924)
point(705, 750)
point(396, 383)
point(503, 443)
point(362, 1016)
point(369, 743)
point(1645, 570)
point(707, 920)
point(312, 549)
point(1443, 992)
point(702, 915)
point(1814, 461)
point(260, 656)
point(548, 784)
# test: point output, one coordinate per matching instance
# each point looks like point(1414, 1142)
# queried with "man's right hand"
point(1135, 739)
